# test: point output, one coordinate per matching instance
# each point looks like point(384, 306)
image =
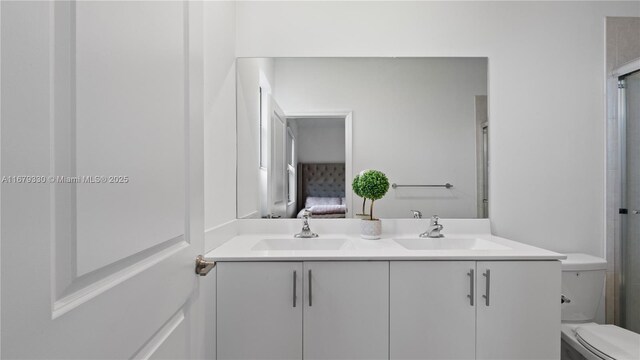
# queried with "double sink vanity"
point(466, 295)
point(283, 293)
point(306, 128)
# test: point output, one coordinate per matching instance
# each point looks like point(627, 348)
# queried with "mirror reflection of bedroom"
point(300, 153)
point(303, 169)
point(320, 166)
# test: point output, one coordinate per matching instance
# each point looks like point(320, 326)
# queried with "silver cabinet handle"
point(295, 283)
point(487, 274)
point(471, 279)
point(310, 287)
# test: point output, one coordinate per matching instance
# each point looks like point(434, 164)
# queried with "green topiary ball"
point(372, 184)
point(355, 185)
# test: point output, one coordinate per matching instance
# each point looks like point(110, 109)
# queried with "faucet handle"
point(417, 214)
point(435, 219)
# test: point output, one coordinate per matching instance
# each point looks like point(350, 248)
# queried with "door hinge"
point(621, 85)
point(623, 211)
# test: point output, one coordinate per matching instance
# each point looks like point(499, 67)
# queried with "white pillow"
point(313, 201)
point(328, 209)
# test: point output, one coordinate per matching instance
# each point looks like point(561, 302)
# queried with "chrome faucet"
point(433, 231)
point(417, 214)
point(306, 232)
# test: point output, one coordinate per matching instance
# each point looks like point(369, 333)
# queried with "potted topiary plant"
point(355, 185)
point(372, 185)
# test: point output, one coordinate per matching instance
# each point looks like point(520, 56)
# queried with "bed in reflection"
point(321, 190)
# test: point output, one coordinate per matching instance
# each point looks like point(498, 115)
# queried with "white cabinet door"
point(432, 315)
point(259, 310)
point(102, 267)
point(346, 312)
point(518, 314)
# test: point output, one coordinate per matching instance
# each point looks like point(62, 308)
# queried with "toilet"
point(582, 283)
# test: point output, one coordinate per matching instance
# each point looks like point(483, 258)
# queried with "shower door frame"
point(616, 190)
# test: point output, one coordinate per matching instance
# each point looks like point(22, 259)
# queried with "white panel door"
point(432, 312)
point(346, 314)
point(104, 101)
point(259, 310)
point(518, 313)
point(277, 163)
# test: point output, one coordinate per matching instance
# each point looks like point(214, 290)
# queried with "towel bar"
point(447, 185)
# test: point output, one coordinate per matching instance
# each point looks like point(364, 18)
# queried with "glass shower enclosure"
point(629, 126)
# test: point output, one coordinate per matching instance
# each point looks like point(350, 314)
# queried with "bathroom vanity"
point(469, 295)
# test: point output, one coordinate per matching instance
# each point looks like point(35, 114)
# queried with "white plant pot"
point(361, 216)
point(370, 229)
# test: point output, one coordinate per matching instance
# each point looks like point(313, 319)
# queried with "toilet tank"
point(582, 284)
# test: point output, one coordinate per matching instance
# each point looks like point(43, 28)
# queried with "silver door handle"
point(471, 279)
point(203, 266)
point(310, 287)
point(487, 274)
point(295, 283)
point(635, 212)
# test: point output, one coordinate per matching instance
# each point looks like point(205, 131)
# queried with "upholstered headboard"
point(322, 180)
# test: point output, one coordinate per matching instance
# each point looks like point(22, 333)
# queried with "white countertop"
point(239, 248)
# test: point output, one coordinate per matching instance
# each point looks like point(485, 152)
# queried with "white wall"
point(546, 84)
point(413, 119)
point(220, 113)
point(320, 140)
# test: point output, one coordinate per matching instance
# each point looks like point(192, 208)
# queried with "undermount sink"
point(299, 244)
point(445, 243)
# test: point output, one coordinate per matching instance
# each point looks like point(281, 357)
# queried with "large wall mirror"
point(306, 126)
